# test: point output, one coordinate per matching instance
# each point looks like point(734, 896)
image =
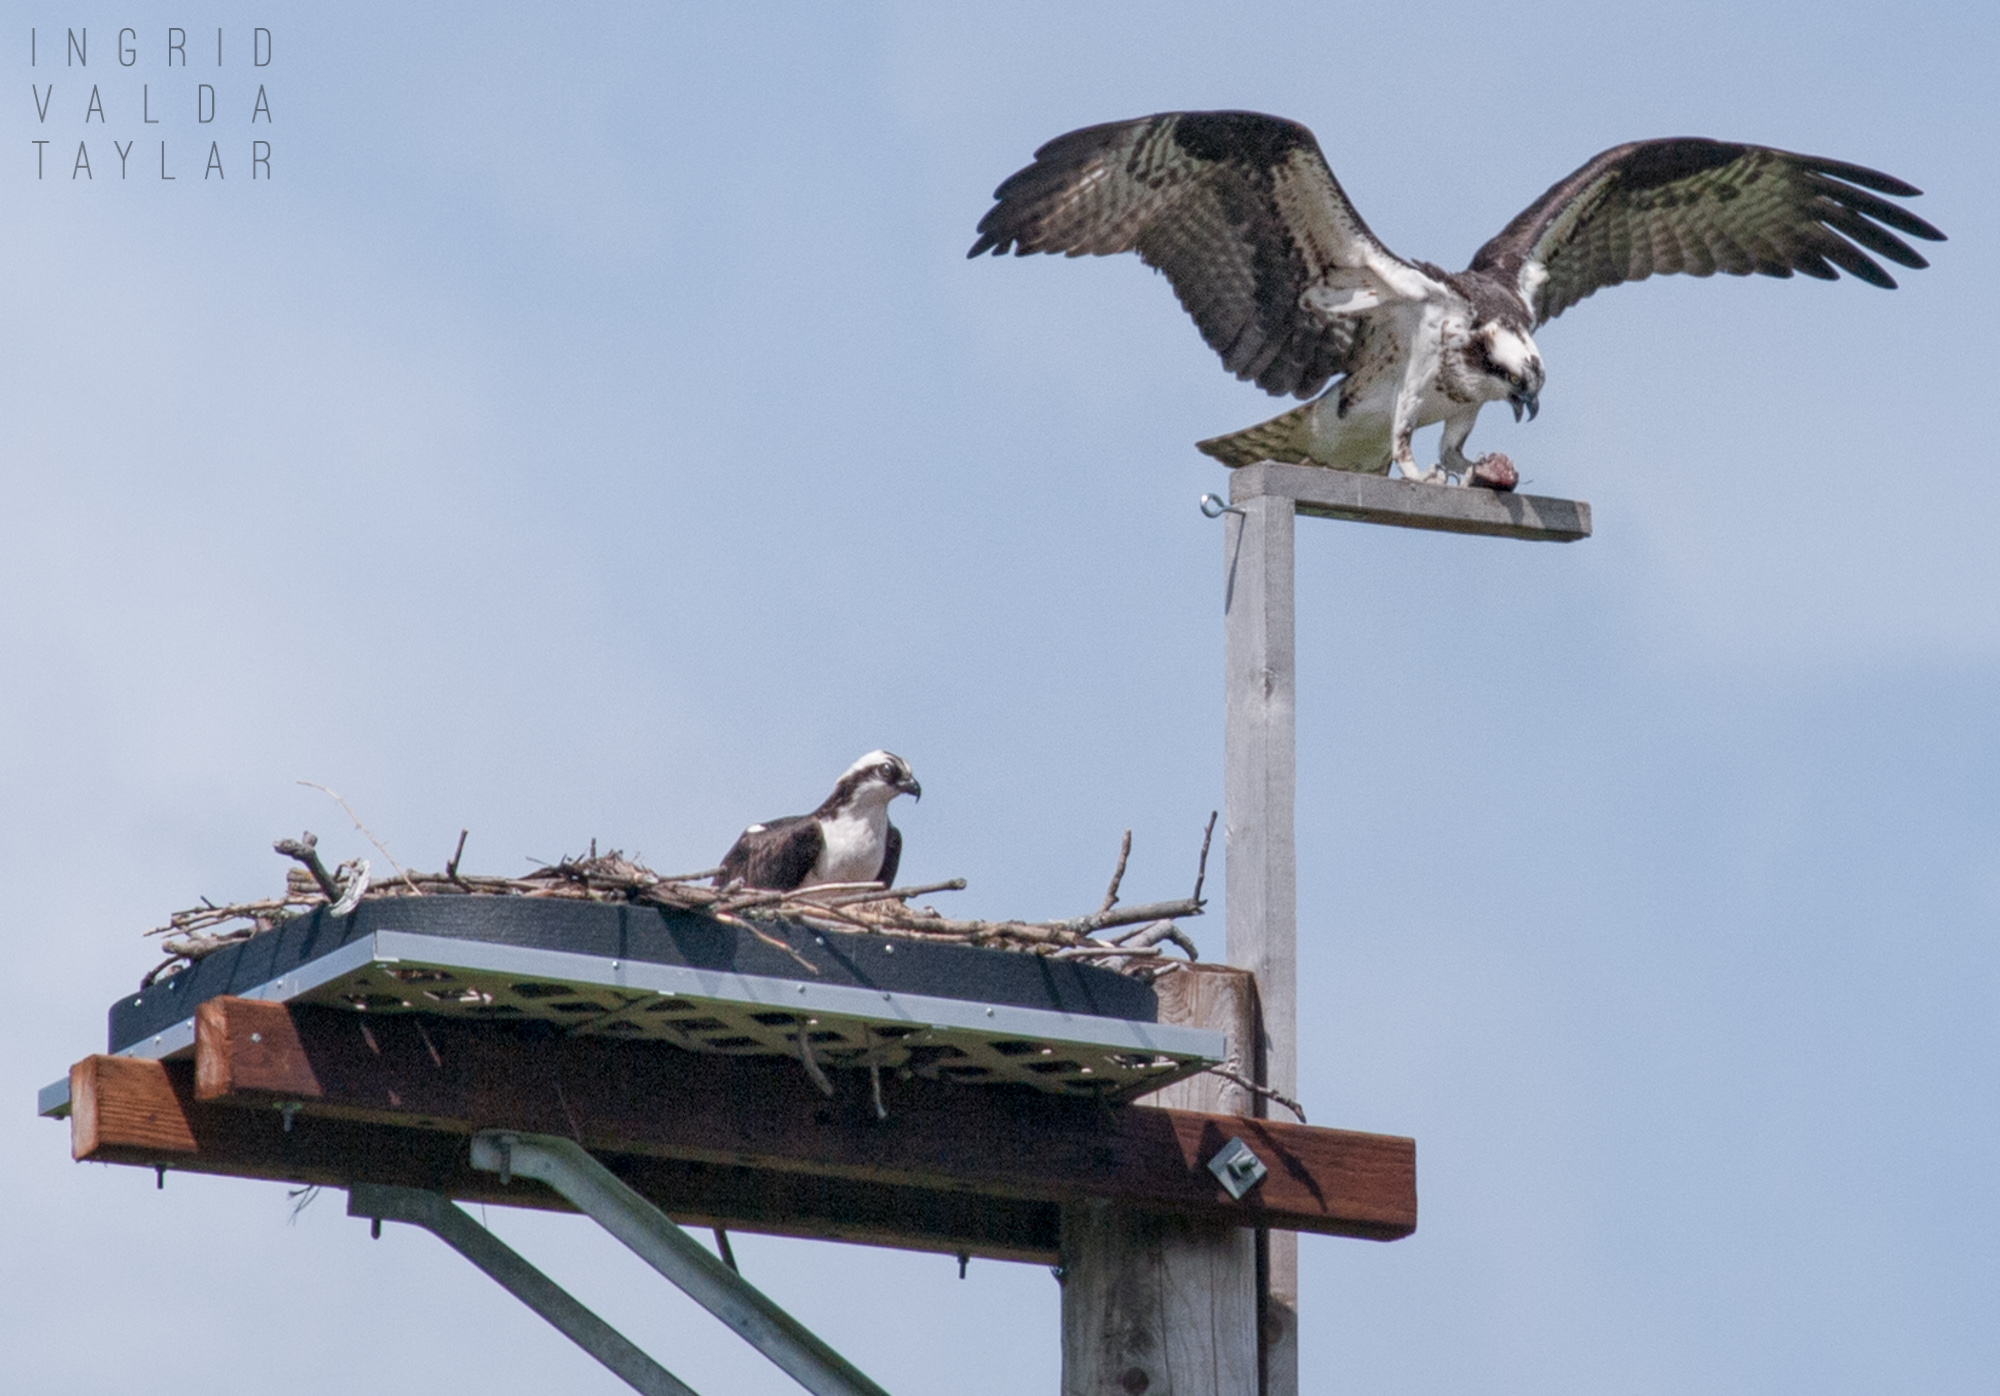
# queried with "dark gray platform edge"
point(650, 935)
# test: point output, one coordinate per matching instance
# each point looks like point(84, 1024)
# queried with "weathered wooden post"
point(1159, 1304)
point(1260, 766)
point(1259, 779)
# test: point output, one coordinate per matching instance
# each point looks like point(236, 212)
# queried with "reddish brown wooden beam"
point(764, 1113)
point(130, 1111)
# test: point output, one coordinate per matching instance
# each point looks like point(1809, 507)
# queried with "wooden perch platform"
point(1343, 494)
point(315, 1095)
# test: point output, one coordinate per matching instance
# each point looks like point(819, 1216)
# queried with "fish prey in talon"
point(1494, 472)
point(1285, 281)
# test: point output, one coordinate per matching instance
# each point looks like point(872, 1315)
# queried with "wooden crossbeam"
point(129, 1110)
point(1343, 494)
point(765, 1112)
point(763, 1115)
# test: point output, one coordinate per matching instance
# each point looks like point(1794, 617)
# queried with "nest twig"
point(612, 877)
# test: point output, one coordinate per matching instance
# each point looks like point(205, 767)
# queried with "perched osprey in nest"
point(1289, 286)
point(847, 839)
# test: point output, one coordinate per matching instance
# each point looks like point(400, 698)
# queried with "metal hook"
point(1212, 506)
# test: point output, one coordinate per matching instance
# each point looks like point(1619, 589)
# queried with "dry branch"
point(306, 850)
point(1201, 868)
point(612, 877)
point(1265, 1092)
point(1117, 874)
point(367, 833)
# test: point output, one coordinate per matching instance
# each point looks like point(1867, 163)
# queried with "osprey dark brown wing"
point(1700, 206)
point(1238, 209)
point(892, 856)
point(778, 854)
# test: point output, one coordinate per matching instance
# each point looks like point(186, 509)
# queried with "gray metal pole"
point(654, 1237)
point(436, 1214)
point(1259, 794)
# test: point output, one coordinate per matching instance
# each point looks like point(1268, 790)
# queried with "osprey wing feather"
point(1240, 212)
point(847, 839)
point(778, 853)
point(1287, 284)
point(1699, 206)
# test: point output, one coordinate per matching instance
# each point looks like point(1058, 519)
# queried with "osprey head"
point(876, 778)
point(1513, 365)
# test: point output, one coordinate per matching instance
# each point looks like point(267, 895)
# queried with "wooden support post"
point(1259, 781)
point(1157, 1305)
point(1168, 1305)
point(1260, 759)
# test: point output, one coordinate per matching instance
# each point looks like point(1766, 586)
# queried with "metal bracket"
point(1237, 1167)
point(654, 1237)
point(436, 1214)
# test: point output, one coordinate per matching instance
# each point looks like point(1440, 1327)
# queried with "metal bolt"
point(1237, 1168)
point(256, 1037)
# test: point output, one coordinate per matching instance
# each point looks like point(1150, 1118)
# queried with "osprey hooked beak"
point(1521, 398)
point(908, 785)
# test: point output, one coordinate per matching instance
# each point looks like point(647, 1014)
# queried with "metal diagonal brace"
point(653, 1236)
point(435, 1213)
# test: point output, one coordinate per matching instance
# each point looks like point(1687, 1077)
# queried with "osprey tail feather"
point(1286, 437)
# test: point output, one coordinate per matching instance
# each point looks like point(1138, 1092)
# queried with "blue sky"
point(593, 429)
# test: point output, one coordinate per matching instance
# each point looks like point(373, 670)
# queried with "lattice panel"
point(756, 1026)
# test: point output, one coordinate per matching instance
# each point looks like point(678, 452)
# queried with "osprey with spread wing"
point(1287, 284)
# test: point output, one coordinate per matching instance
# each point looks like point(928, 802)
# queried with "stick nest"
point(1129, 938)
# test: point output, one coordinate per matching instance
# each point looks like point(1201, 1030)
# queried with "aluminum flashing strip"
point(716, 1011)
point(52, 1100)
point(178, 1039)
